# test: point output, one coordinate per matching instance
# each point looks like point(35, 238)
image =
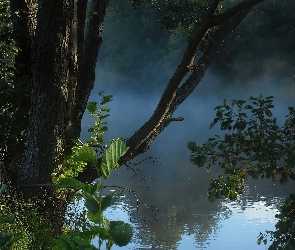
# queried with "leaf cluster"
point(113, 232)
point(14, 95)
point(21, 227)
point(253, 146)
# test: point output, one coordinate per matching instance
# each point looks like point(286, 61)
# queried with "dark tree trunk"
point(58, 52)
point(64, 52)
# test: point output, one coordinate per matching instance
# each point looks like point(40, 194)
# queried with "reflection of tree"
point(183, 215)
point(284, 236)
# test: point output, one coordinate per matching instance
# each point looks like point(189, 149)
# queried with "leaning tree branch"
point(204, 61)
point(161, 112)
point(219, 19)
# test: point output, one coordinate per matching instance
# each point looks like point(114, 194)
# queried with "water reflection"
point(226, 225)
point(174, 190)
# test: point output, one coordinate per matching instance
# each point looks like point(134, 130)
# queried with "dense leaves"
point(117, 232)
point(256, 146)
point(14, 96)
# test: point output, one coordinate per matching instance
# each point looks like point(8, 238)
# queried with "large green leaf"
point(111, 157)
point(62, 242)
point(71, 182)
point(103, 233)
point(91, 203)
point(10, 219)
point(57, 247)
point(108, 201)
point(83, 238)
point(87, 154)
point(2, 188)
point(5, 240)
point(90, 188)
point(121, 232)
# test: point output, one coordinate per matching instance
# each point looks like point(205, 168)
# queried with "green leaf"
point(106, 109)
point(84, 238)
point(90, 188)
point(96, 218)
point(5, 240)
point(92, 204)
point(92, 107)
point(106, 99)
point(71, 182)
point(111, 156)
point(62, 242)
point(108, 201)
point(268, 113)
point(121, 232)
point(2, 188)
point(103, 233)
point(10, 219)
point(212, 124)
point(57, 247)
point(87, 154)
point(192, 146)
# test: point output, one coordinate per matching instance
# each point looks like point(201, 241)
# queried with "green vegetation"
point(113, 232)
point(24, 228)
point(21, 226)
point(256, 147)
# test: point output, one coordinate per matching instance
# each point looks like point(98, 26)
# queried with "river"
point(172, 210)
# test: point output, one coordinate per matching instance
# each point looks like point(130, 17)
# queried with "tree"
point(59, 42)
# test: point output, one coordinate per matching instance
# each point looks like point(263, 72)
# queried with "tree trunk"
point(64, 54)
point(59, 57)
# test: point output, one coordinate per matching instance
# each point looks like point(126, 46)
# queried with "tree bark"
point(64, 55)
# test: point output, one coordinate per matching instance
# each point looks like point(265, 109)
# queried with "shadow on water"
point(174, 212)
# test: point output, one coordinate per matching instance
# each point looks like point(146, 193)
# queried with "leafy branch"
point(254, 146)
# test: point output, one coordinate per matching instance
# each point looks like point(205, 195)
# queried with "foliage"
point(75, 162)
point(257, 146)
point(13, 106)
point(113, 232)
point(284, 236)
point(274, 26)
point(6, 240)
point(21, 227)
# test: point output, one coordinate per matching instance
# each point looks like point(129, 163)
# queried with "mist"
point(167, 180)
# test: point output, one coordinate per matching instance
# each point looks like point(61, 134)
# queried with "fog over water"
point(174, 186)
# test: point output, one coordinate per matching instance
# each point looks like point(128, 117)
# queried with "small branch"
point(292, 175)
point(176, 119)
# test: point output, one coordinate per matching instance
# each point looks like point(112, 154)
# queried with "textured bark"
point(64, 51)
point(59, 56)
